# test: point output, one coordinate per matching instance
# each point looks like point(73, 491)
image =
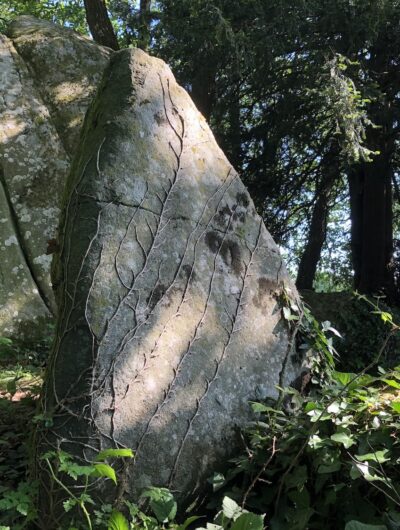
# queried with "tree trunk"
point(370, 185)
point(203, 90)
point(371, 216)
point(234, 136)
point(144, 25)
point(319, 220)
point(99, 24)
point(356, 180)
point(371, 211)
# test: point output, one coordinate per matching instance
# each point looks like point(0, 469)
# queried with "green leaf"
point(333, 408)
point(259, 407)
point(286, 313)
point(162, 503)
point(104, 470)
point(248, 521)
point(67, 465)
point(114, 453)
point(117, 521)
point(395, 406)
point(231, 509)
point(386, 317)
point(329, 467)
point(343, 378)
point(22, 508)
point(356, 525)
point(362, 469)
point(188, 521)
point(377, 456)
point(392, 383)
point(69, 504)
point(343, 438)
point(297, 478)
point(217, 481)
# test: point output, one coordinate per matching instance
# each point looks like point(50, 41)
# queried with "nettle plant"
point(82, 512)
point(332, 461)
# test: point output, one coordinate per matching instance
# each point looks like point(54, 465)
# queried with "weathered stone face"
point(42, 106)
point(167, 286)
point(67, 68)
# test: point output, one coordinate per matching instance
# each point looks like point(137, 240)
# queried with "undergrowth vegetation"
point(324, 454)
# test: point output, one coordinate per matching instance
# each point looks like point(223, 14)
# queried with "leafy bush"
point(82, 511)
point(333, 462)
point(329, 460)
point(362, 332)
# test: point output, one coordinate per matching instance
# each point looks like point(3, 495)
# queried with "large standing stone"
point(168, 285)
point(57, 70)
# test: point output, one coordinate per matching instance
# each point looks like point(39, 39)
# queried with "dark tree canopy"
point(303, 97)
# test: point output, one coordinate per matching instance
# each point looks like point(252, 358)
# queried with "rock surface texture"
point(167, 284)
point(48, 76)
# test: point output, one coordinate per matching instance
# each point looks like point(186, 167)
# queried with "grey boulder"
point(168, 286)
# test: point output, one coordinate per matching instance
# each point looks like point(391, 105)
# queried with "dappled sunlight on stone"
point(67, 68)
point(42, 106)
point(168, 285)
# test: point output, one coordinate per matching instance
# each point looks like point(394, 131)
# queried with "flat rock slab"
point(168, 286)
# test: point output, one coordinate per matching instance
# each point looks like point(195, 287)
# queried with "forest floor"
point(20, 385)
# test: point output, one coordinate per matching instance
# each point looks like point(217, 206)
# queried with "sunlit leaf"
point(114, 453)
point(117, 521)
point(104, 470)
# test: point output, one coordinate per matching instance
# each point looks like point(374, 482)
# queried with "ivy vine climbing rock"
point(48, 77)
point(167, 284)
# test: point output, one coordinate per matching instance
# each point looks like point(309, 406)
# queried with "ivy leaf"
point(343, 438)
point(12, 386)
point(377, 456)
point(333, 408)
point(327, 326)
point(231, 509)
point(288, 315)
point(217, 481)
point(356, 525)
point(248, 521)
point(362, 469)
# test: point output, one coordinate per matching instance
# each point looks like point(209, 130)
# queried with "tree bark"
point(99, 24)
point(371, 233)
point(203, 90)
point(370, 185)
point(144, 25)
point(371, 211)
point(319, 221)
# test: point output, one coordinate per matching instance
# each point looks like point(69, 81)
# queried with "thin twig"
point(262, 470)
